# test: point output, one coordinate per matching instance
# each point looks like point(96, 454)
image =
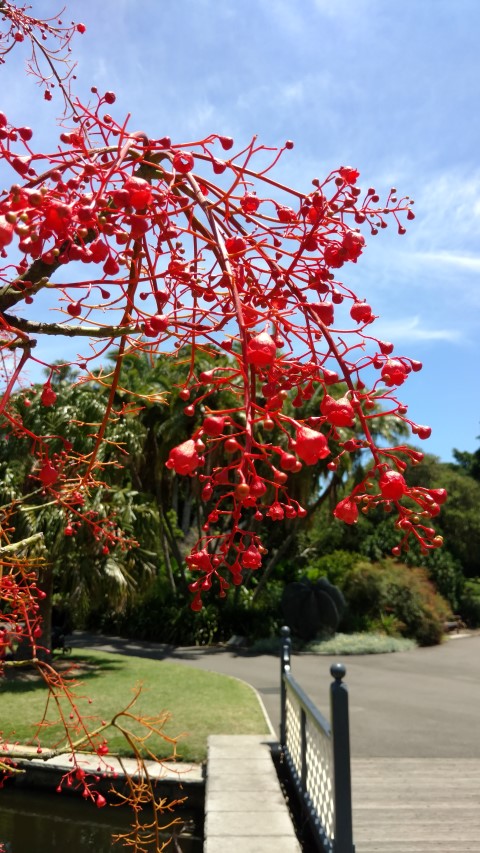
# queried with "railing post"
point(342, 785)
point(285, 650)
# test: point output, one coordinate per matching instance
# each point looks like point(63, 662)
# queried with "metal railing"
point(317, 755)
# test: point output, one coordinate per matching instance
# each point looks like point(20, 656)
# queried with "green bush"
point(334, 566)
point(400, 599)
point(469, 606)
point(160, 616)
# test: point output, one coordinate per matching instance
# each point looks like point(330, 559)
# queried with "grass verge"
point(199, 703)
point(341, 644)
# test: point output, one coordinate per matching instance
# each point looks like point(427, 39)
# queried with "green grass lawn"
point(199, 703)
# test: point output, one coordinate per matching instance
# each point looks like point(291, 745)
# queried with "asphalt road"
point(419, 704)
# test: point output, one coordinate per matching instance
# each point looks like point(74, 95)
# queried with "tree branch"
point(34, 327)
point(24, 543)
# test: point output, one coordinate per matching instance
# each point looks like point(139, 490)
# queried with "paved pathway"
point(419, 704)
point(415, 723)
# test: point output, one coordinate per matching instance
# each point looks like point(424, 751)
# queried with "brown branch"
point(39, 328)
point(24, 543)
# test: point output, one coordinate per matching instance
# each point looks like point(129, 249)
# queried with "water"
point(36, 822)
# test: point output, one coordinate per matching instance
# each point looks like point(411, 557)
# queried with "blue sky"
point(390, 88)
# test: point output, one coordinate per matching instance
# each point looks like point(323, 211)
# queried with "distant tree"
point(468, 462)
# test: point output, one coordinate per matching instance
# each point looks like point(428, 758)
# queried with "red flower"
point(361, 312)
point(184, 458)
point(352, 245)
point(324, 312)
point(276, 512)
point(347, 511)
point(392, 485)
point(311, 445)
point(183, 162)
point(249, 203)
point(235, 246)
point(394, 372)
point(261, 350)
point(349, 174)
point(6, 232)
point(139, 192)
point(334, 256)
point(251, 558)
point(338, 412)
point(48, 397)
point(286, 214)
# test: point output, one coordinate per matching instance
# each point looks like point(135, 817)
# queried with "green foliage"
point(161, 616)
point(340, 644)
point(405, 595)
point(469, 607)
point(333, 566)
point(361, 644)
point(459, 520)
point(468, 462)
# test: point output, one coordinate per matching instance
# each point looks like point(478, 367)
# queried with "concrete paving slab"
point(242, 844)
point(242, 801)
point(244, 807)
point(259, 824)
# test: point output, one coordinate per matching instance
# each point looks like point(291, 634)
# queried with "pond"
point(38, 822)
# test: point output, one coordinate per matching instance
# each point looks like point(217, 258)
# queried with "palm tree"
point(82, 563)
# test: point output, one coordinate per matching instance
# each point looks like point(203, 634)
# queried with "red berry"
point(6, 232)
point(183, 162)
point(49, 396)
point(159, 323)
point(214, 425)
point(110, 97)
point(249, 203)
point(48, 474)
point(226, 142)
point(81, 28)
point(74, 309)
point(26, 133)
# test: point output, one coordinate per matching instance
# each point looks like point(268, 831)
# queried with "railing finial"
point(338, 671)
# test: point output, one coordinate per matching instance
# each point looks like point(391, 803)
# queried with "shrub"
point(160, 616)
point(334, 566)
point(469, 606)
point(400, 598)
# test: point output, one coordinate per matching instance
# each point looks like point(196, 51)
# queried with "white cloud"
point(448, 213)
point(411, 329)
point(470, 263)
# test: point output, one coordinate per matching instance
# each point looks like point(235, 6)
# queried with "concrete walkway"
point(244, 807)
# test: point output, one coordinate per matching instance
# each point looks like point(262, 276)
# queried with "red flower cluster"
point(179, 261)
